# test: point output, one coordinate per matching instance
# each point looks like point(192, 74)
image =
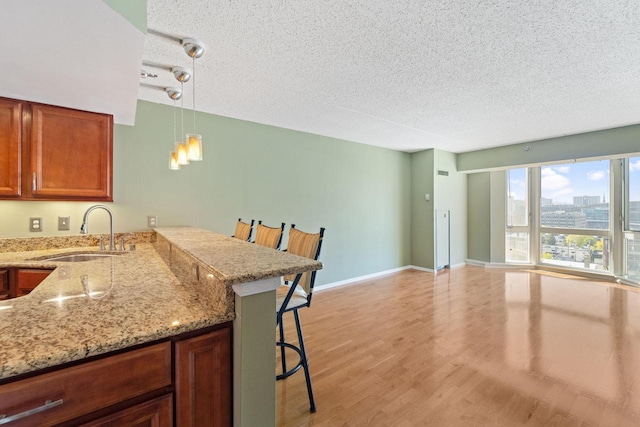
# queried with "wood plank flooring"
point(469, 347)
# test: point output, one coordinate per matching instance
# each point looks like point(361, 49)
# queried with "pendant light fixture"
point(195, 49)
point(181, 146)
point(174, 93)
point(190, 148)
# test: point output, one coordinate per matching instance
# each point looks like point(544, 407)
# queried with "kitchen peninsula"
point(182, 281)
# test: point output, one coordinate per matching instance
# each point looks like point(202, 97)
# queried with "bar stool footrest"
point(295, 368)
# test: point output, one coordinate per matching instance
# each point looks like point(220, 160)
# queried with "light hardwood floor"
point(469, 347)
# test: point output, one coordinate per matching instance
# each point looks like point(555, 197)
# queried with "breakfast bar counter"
point(182, 280)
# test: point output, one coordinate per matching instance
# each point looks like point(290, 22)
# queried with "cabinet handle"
point(47, 405)
point(34, 181)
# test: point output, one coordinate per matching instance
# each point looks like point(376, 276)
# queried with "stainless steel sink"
point(79, 257)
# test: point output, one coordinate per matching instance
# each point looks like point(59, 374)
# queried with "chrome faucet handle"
point(122, 243)
point(101, 243)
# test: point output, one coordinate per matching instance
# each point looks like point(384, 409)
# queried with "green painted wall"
point(605, 143)
point(445, 192)
point(450, 193)
point(358, 192)
point(497, 216)
point(479, 213)
point(422, 230)
point(134, 11)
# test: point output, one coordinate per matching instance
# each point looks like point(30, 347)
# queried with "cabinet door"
point(70, 155)
point(203, 380)
point(10, 146)
point(154, 413)
point(5, 292)
point(28, 278)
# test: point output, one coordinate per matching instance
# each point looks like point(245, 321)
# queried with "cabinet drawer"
point(154, 413)
point(88, 387)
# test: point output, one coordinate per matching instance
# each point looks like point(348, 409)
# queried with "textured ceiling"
point(458, 75)
point(409, 75)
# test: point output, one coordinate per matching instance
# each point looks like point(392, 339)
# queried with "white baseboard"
point(379, 274)
point(504, 265)
point(461, 264)
point(476, 262)
point(360, 278)
point(415, 267)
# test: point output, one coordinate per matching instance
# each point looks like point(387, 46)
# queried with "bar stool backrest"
point(243, 230)
point(270, 237)
point(307, 245)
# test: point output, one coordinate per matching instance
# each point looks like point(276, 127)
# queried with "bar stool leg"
point(305, 364)
point(282, 352)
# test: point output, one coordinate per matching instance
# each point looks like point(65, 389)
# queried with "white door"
point(442, 238)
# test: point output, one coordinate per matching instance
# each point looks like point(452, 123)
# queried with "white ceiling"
point(458, 75)
point(73, 53)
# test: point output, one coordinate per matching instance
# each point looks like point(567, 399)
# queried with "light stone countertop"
point(232, 260)
point(84, 309)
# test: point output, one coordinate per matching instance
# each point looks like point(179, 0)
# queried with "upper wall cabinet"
point(10, 136)
point(55, 153)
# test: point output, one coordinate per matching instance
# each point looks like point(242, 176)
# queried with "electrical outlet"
point(35, 224)
point(152, 221)
point(63, 223)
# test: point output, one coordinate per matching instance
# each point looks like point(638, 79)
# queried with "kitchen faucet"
point(84, 228)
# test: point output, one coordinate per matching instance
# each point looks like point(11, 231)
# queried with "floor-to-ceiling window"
point(580, 215)
point(632, 218)
point(575, 215)
point(517, 231)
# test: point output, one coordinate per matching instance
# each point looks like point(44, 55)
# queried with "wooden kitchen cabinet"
point(26, 279)
point(133, 388)
point(82, 389)
point(154, 413)
point(70, 155)
point(54, 153)
point(5, 290)
point(203, 380)
point(10, 153)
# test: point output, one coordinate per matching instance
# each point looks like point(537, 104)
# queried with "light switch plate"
point(35, 224)
point(63, 223)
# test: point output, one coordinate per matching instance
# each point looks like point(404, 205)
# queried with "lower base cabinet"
point(26, 279)
point(154, 413)
point(183, 381)
point(5, 290)
point(199, 401)
point(17, 282)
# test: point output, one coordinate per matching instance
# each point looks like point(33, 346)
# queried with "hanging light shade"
point(182, 147)
point(173, 161)
point(182, 152)
point(194, 143)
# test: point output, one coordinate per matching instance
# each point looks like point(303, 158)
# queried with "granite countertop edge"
point(86, 309)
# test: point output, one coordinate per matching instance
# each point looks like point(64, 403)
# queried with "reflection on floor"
point(469, 347)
